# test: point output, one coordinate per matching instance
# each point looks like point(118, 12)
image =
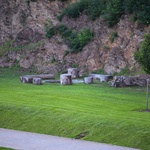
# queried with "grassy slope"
point(3, 148)
point(108, 114)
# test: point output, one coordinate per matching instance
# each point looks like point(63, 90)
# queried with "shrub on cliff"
point(113, 12)
point(140, 9)
point(75, 40)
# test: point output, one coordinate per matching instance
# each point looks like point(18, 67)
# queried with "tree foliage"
point(143, 55)
point(110, 10)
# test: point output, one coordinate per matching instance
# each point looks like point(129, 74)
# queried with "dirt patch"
point(139, 110)
point(81, 135)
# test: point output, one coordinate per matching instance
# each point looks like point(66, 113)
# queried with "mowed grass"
point(3, 148)
point(107, 114)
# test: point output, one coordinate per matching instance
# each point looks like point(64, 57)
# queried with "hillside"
point(23, 40)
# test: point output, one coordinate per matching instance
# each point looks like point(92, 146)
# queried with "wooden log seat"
point(101, 77)
point(65, 79)
point(74, 72)
point(88, 80)
point(29, 78)
point(37, 81)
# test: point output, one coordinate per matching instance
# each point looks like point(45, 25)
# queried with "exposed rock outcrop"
point(22, 22)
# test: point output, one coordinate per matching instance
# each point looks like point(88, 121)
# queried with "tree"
point(143, 55)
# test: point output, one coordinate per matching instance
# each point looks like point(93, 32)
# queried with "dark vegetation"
point(75, 40)
point(110, 10)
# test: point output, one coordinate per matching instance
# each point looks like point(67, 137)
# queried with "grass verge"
point(106, 114)
point(4, 148)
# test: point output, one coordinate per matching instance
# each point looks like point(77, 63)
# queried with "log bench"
point(29, 78)
point(88, 80)
point(65, 79)
point(51, 81)
point(37, 81)
point(74, 72)
point(102, 78)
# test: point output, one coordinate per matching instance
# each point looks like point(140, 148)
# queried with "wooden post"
point(65, 79)
point(74, 72)
point(21, 78)
point(88, 80)
point(147, 95)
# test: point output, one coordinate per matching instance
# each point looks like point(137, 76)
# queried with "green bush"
point(74, 10)
point(95, 8)
point(50, 32)
point(75, 41)
point(143, 55)
point(92, 8)
point(113, 12)
point(78, 41)
point(124, 71)
point(84, 36)
point(140, 9)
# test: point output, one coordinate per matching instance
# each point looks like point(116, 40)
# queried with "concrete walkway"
point(32, 141)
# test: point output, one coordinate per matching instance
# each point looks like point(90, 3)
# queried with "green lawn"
point(3, 148)
point(109, 115)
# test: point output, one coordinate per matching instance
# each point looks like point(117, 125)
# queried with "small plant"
point(6, 47)
point(99, 71)
point(49, 29)
point(113, 35)
point(75, 65)
point(124, 71)
point(66, 53)
point(53, 60)
point(84, 36)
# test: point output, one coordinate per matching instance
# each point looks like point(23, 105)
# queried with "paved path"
point(32, 141)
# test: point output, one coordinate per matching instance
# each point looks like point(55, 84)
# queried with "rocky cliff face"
point(22, 22)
